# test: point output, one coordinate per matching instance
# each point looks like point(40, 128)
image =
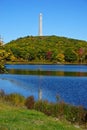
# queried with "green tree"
point(70, 55)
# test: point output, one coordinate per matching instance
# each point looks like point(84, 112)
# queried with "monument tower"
point(40, 24)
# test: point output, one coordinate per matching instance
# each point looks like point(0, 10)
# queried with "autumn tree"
point(81, 55)
point(60, 57)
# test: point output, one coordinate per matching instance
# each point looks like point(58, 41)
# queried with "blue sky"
point(19, 18)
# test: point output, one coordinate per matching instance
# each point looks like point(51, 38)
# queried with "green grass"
point(14, 118)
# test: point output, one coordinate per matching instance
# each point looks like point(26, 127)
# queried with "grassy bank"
point(16, 118)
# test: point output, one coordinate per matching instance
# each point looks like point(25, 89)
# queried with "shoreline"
point(45, 63)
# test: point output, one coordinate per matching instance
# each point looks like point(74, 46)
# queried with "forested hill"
point(46, 49)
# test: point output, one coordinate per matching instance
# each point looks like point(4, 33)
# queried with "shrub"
point(29, 103)
point(15, 99)
point(40, 105)
point(59, 109)
point(45, 107)
point(82, 115)
point(72, 113)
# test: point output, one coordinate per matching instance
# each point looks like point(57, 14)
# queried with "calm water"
point(68, 81)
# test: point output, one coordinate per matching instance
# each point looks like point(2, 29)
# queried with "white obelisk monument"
point(40, 24)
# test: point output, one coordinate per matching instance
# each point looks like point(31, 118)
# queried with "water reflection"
point(46, 73)
point(67, 68)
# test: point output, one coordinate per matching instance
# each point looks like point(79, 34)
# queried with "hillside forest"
point(44, 49)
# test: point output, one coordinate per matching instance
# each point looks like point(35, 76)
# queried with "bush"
point(40, 105)
point(72, 114)
point(62, 110)
point(15, 99)
point(82, 115)
point(43, 106)
point(76, 114)
point(59, 109)
point(29, 103)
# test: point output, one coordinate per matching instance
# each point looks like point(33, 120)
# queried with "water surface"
point(67, 81)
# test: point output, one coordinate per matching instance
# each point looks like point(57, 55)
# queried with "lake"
point(67, 81)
